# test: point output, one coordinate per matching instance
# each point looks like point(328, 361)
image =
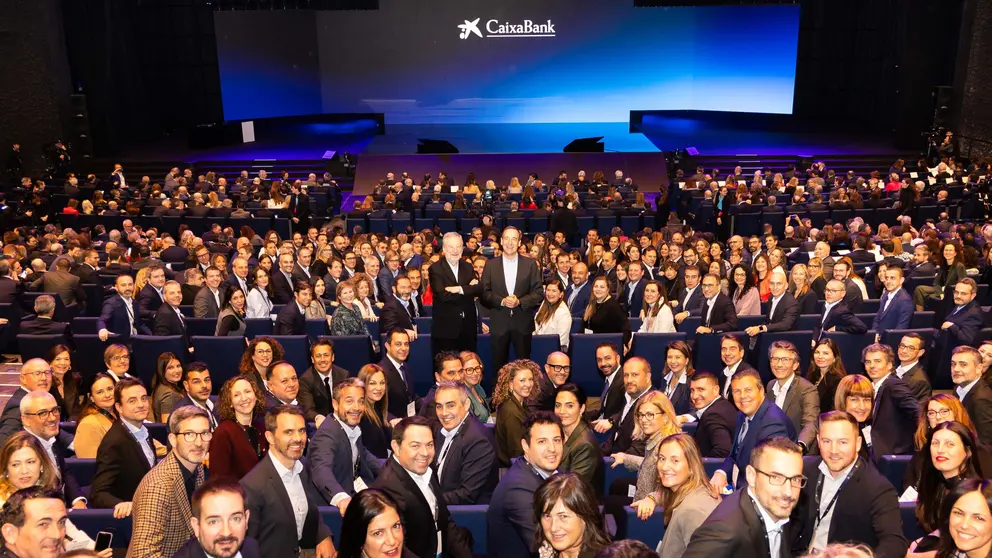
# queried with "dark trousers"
point(467, 340)
point(501, 341)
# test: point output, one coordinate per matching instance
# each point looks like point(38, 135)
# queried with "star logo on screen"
point(470, 28)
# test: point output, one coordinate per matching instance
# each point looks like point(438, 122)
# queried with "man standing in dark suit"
point(759, 419)
point(975, 394)
point(637, 382)
point(399, 311)
point(611, 400)
point(127, 451)
point(403, 402)
point(783, 310)
point(836, 315)
point(911, 349)
point(36, 375)
point(895, 411)
point(511, 289)
point(409, 478)
point(466, 451)
point(282, 502)
point(299, 207)
point(455, 288)
point(895, 309)
point(510, 520)
point(317, 383)
point(169, 320)
point(754, 523)
point(292, 318)
point(833, 507)
point(282, 280)
point(341, 465)
point(718, 311)
point(43, 324)
point(715, 416)
point(119, 315)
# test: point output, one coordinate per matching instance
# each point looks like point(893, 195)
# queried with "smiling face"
point(243, 397)
point(543, 449)
point(349, 405)
point(522, 383)
point(938, 413)
point(174, 371)
point(747, 394)
point(451, 407)
point(384, 537)
point(601, 289)
point(778, 501)
point(823, 356)
point(262, 355)
point(970, 523)
point(702, 392)
point(415, 451)
point(24, 468)
point(673, 467)
point(948, 453)
point(840, 442)
point(563, 528)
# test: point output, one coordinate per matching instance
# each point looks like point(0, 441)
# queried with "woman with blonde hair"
point(515, 385)
point(684, 492)
point(376, 424)
point(514, 187)
point(799, 286)
point(817, 281)
point(654, 420)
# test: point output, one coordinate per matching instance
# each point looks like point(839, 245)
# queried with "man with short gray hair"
point(43, 324)
point(465, 458)
point(455, 288)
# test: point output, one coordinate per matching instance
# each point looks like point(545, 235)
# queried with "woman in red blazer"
point(239, 440)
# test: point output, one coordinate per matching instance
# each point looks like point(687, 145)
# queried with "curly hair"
point(507, 373)
point(225, 404)
point(247, 366)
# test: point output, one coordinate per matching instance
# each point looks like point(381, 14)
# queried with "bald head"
point(558, 368)
point(36, 374)
point(835, 291)
point(778, 283)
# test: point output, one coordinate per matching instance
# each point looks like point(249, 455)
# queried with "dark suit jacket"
point(510, 521)
point(148, 303)
point(282, 289)
point(120, 466)
point(400, 393)
point(214, 419)
point(768, 421)
point(614, 399)
point(715, 429)
point(636, 299)
point(724, 315)
point(470, 471)
point(418, 517)
point(395, 316)
point(621, 437)
point(10, 290)
point(695, 303)
point(290, 321)
point(331, 461)
point(840, 317)
point(735, 528)
point(167, 322)
point(313, 395)
point(272, 520)
point(454, 315)
point(114, 317)
point(725, 382)
point(785, 315)
point(44, 326)
point(802, 406)
point(894, 417)
point(192, 549)
point(898, 315)
point(866, 511)
point(965, 325)
point(978, 403)
point(919, 383)
point(527, 289)
point(10, 420)
point(581, 300)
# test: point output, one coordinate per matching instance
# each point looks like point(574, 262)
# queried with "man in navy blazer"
point(895, 310)
point(120, 313)
point(759, 419)
point(292, 319)
point(836, 315)
point(632, 296)
point(895, 411)
point(340, 463)
point(465, 451)
point(398, 375)
point(960, 327)
point(396, 312)
point(783, 308)
point(717, 311)
point(169, 319)
point(151, 297)
point(715, 417)
point(690, 299)
point(579, 290)
point(510, 520)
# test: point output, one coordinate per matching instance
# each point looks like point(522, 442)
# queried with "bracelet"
point(652, 498)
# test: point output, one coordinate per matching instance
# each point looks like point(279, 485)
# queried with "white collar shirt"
point(781, 391)
point(294, 489)
point(831, 486)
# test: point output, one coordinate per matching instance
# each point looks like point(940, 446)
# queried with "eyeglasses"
point(939, 413)
point(560, 367)
point(263, 351)
point(646, 415)
point(908, 347)
point(190, 437)
point(472, 369)
point(46, 414)
point(120, 357)
point(38, 373)
point(779, 480)
point(782, 359)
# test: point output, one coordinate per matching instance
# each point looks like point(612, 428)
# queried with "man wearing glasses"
point(911, 348)
point(36, 375)
point(162, 510)
point(795, 395)
point(557, 369)
point(759, 513)
point(40, 416)
point(389, 273)
point(836, 315)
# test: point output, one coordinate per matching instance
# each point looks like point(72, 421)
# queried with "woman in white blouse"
point(656, 316)
point(259, 304)
point(553, 317)
point(363, 292)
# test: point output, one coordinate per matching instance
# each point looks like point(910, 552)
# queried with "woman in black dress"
point(603, 314)
point(376, 427)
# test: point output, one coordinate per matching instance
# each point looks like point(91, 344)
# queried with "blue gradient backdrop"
point(407, 61)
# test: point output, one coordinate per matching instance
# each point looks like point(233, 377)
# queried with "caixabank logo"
point(493, 28)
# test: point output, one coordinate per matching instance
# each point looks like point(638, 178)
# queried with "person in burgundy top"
point(239, 440)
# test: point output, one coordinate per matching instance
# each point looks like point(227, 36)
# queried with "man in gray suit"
point(336, 450)
point(209, 300)
point(59, 281)
point(792, 393)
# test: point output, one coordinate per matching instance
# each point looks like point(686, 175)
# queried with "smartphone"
point(103, 540)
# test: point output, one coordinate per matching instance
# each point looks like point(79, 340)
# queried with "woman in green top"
point(472, 367)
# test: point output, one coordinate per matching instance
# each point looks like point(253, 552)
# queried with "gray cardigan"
point(686, 518)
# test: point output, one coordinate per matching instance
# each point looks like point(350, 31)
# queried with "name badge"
point(630, 491)
point(411, 409)
point(360, 485)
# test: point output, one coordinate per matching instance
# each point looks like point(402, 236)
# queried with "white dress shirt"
point(449, 437)
point(728, 372)
point(423, 482)
point(772, 528)
point(782, 390)
point(685, 300)
point(294, 489)
point(510, 273)
point(353, 433)
point(831, 486)
point(141, 435)
point(903, 368)
point(560, 324)
point(962, 391)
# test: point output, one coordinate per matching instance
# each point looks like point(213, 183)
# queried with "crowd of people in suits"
point(277, 445)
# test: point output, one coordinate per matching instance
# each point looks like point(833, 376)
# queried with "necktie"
point(709, 310)
point(327, 384)
point(130, 316)
point(885, 301)
point(602, 396)
point(740, 438)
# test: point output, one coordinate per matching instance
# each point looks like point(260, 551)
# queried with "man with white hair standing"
point(455, 287)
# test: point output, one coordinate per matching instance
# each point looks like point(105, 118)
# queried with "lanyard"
point(819, 489)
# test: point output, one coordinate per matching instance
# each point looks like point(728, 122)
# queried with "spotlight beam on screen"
point(572, 61)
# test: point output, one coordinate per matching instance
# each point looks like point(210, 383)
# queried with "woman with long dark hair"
point(96, 417)
point(65, 382)
point(966, 521)
point(950, 270)
point(603, 314)
point(675, 376)
point(826, 370)
point(372, 528)
point(743, 293)
point(581, 453)
point(762, 272)
point(656, 314)
point(231, 319)
point(167, 385)
point(569, 523)
point(936, 410)
point(376, 425)
point(553, 317)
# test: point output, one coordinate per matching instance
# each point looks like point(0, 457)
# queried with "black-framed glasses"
point(646, 415)
point(192, 436)
point(472, 369)
point(778, 480)
point(46, 413)
point(560, 367)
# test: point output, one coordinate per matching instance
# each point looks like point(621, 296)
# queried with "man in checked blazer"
point(161, 507)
